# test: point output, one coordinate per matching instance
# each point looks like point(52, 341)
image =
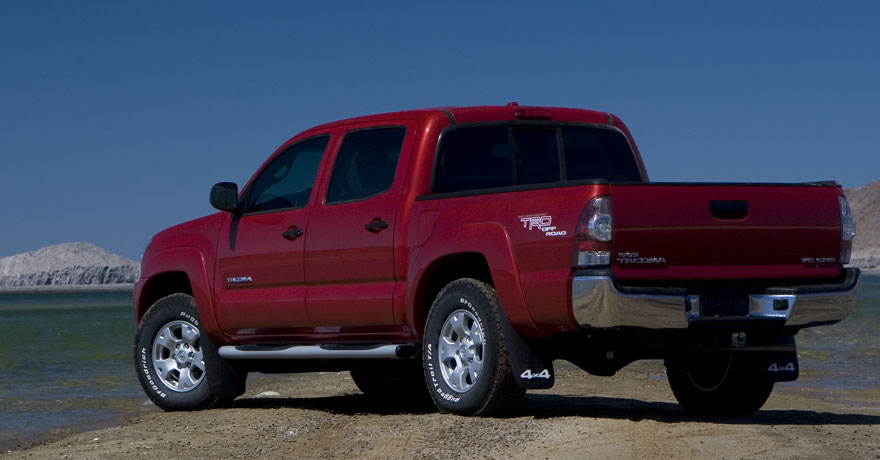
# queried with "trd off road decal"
point(541, 222)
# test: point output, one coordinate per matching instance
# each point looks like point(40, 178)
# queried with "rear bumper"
point(597, 301)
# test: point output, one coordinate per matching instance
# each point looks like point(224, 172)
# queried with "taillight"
point(592, 240)
point(847, 230)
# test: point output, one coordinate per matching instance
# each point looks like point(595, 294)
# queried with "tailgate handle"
point(729, 210)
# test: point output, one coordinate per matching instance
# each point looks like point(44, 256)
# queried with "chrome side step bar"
point(399, 351)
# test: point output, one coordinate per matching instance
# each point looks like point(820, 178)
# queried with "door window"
point(366, 164)
point(287, 181)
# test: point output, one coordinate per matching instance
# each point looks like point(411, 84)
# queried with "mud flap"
point(223, 378)
point(531, 372)
point(781, 366)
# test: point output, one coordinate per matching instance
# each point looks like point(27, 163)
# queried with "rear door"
point(349, 258)
point(725, 231)
point(259, 281)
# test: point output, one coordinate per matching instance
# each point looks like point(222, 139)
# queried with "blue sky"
point(117, 117)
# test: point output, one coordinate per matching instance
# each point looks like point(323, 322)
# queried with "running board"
point(400, 351)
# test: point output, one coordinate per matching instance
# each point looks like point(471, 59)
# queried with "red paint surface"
point(339, 282)
point(784, 224)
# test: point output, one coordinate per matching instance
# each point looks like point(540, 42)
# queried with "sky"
point(116, 118)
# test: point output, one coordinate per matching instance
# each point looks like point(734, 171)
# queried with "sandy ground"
point(629, 416)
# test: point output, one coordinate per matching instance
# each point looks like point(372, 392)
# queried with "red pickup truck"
point(455, 253)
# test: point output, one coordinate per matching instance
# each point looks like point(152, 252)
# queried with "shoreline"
point(836, 391)
point(67, 289)
point(129, 287)
point(632, 414)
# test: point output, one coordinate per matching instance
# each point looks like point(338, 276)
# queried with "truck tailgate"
point(725, 231)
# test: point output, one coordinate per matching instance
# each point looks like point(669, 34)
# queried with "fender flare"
point(489, 239)
point(191, 261)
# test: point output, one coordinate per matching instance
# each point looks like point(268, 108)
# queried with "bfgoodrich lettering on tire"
point(464, 354)
point(170, 354)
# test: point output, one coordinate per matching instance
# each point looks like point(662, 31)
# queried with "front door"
point(259, 285)
point(350, 249)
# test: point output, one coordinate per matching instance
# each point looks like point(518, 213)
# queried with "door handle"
point(376, 225)
point(292, 233)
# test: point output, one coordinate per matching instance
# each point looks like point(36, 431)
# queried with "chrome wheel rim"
point(461, 349)
point(177, 356)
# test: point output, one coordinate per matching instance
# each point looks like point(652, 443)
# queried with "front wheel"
point(172, 358)
point(719, 383)
point(464, 354)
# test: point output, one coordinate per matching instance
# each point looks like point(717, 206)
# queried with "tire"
point(719, 383)
point(464, 355)
point(170, 356)
point(393, 381)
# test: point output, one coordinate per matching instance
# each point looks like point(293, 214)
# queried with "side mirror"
point(224, 196)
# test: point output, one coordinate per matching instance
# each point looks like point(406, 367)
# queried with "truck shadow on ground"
point(555, 406)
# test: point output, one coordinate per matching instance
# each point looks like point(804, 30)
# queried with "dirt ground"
point(632, 415)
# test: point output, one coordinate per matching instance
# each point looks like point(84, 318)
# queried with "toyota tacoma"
point(455, 253)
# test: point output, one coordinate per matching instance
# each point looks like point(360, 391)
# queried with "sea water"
point(66, 360)
point(845, 355)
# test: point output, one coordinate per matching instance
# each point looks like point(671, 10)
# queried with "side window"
point(474, 158)
point(366, 164)
point(287, 181)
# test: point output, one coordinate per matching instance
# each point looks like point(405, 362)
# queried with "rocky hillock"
point(865, 204)
point(67, 264)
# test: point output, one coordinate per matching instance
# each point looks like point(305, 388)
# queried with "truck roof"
point(485, 113)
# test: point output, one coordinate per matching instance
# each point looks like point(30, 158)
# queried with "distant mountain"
point(865, 204)
point(68, 264)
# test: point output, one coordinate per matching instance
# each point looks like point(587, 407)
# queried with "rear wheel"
point(719, 383)
point(465, 358)
point(172, 358)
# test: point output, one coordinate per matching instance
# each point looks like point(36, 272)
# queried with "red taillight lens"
point(847, 230)
point(592, 240)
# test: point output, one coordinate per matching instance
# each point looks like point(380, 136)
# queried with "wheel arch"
point(178, 270)
point(481, 251)
point(443, 271)
point(158, 286)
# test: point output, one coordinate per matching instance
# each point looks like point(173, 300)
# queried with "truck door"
point(259, 281)
point(349, 258)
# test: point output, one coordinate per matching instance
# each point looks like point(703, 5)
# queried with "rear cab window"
point(492, 156)
point(365, 164)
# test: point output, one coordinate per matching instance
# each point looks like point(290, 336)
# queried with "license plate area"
point(723, 305)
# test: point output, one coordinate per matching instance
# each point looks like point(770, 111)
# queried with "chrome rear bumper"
point(597, 302)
